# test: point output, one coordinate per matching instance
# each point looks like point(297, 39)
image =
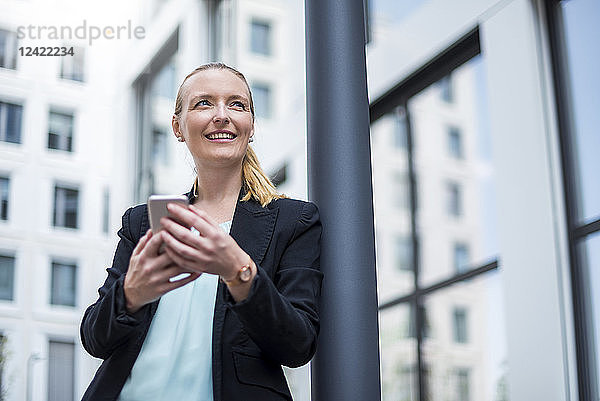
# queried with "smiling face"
point(215, 121)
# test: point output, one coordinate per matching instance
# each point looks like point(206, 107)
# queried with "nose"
point(221, 116)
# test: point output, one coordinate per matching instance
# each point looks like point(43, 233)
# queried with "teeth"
point(221, 135)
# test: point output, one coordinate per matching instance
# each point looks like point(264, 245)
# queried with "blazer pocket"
point(251, 369)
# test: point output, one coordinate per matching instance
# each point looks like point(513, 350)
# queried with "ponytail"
point(256, 183)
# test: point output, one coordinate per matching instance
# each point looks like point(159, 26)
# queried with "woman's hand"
point(149, 273)
point(209, 250)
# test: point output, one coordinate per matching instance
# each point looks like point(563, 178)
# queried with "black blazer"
point(276, 325)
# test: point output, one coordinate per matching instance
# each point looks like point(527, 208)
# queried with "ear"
point(176, 127)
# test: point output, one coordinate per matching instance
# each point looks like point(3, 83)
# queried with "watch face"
point(245, 274)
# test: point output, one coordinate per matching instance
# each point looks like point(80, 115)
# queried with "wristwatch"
point(243, 276)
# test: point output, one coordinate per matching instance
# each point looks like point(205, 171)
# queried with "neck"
point(214, 187)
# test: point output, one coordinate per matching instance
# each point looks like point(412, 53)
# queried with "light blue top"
point(175, 362)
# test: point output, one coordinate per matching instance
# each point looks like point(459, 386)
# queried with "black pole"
point(346, 366)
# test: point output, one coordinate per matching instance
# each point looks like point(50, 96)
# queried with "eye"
point(238, 104)
point(202, 102)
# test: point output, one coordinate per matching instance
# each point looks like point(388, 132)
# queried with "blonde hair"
point(256, 183)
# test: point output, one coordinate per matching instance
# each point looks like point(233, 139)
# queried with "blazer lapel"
point(252, 227)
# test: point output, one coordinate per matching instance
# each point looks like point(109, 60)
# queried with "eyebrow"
point(208, 96)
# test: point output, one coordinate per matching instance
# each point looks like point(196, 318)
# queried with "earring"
point(251, 139)
point(180, 139)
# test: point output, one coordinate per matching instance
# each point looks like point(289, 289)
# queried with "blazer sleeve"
point(106, 324)
point(281, 316)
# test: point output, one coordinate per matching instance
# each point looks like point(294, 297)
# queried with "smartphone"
point(157, 208)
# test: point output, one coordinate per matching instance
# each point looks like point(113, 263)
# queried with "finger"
point(142, 243)
point(203, 215)
point(162, 262)
point(181, 233)
point(173, 273)
point(153, 244)
point(182, 254)
point(192, 219)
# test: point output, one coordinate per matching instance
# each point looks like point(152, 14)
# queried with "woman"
point(198, 337)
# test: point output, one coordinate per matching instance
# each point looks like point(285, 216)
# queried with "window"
point(72, 67)
point(7, 277)
point(462, 383)
point(164, 84)
point(446, 90)
point(4, 196)
point(154, 88)
point(454, 199)
point(461, 257)
point(63, 289)
point(60, 131)
point(261, 94)
point(61, 371)
point(404, 253)
point(459, 325)
point(8, 49)
point(260, 37)
point(10, 122)
point(66, 203)
point(455, 146)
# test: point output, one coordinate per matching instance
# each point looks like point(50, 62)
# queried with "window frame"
point(578, 232)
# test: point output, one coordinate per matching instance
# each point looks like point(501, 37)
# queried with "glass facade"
point(448, 320)
point(576, 60)
point(583, 58)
